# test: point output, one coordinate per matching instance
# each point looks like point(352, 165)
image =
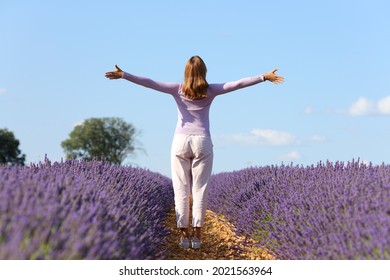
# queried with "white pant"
point(191, 164)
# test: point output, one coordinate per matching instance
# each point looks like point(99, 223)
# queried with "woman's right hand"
point(272, 77)
point(117, 74)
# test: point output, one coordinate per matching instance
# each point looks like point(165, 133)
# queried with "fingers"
point(108, 75)
point(112, 75)
point(278, 80)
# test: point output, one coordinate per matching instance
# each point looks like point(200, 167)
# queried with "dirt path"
point(219, 242)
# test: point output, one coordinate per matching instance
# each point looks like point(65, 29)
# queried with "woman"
point(192, 149)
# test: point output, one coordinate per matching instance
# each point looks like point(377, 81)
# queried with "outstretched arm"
point(246, 82)
point(170, 88)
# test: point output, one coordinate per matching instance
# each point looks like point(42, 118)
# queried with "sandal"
point(184, 242)
point(195, 243)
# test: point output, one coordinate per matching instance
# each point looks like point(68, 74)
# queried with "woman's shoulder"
point(215, 89)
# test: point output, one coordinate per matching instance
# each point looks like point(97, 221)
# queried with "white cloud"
point(261, 137)
point(384, 106)
point(362, 107)
point(365, 107)
point(294, 155)
point(3, 90)
point(291, 156)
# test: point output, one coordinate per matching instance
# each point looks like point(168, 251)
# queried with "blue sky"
point(334, 55)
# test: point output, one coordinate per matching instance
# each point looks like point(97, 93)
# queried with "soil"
point(219, 242)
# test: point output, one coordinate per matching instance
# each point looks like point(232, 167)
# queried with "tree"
point(110, 139)
point(9, 149)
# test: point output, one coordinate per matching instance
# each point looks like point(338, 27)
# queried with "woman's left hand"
point(117, 74)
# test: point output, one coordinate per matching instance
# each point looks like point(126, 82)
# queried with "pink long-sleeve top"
point(193, 115)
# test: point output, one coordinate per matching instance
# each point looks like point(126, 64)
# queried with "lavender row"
point(82, 210)
point(328, 211)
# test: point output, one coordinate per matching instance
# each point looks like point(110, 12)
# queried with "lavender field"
point(94, 210)
point(82, 210)
point(328, 211)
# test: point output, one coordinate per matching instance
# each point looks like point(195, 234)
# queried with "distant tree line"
point(108, 139)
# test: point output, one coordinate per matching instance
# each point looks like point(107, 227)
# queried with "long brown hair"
point(195, 84)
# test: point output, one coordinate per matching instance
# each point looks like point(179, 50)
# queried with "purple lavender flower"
point(82, 210)
point(329, 211)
